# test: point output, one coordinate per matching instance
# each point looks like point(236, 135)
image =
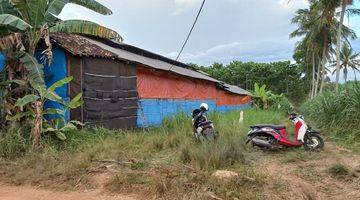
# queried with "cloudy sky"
point(227, 30)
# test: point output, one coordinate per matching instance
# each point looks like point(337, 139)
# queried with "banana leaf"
point(35, 70)
point(12, 22)
point(86, 28)
point(60, 83)
point(93, 5)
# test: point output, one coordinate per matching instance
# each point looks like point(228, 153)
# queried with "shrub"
point(266, 99)
point(282, 103)
point(337, 113)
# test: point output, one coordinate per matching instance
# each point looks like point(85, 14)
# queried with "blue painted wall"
point(54, 72)
point(2, 62)
point(152, 112)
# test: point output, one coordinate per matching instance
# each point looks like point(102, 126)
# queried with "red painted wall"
point(156, 84)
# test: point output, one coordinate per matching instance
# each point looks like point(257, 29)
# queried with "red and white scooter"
point(272, 137)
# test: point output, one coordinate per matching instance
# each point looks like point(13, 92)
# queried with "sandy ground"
point(31, 193)
point(319, 184)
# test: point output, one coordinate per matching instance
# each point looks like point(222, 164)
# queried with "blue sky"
point(227, 30)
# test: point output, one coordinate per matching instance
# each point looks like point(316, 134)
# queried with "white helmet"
point(204, 106)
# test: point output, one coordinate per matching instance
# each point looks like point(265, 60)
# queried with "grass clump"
point(14, 142)
point(338, 170)
point(337, 113)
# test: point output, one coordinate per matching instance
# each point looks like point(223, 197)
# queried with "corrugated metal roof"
point(154, 63)
point(236, 89)
point(84, 46)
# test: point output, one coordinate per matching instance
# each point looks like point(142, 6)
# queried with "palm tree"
point(318, 25)
point(23, 24)
point(348, 60)
point(344, 4)
point(305, 19)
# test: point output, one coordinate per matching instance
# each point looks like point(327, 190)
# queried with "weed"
point(338, 170)
point(138, 165)
point(14, 141)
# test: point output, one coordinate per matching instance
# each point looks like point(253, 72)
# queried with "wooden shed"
point(125, 87)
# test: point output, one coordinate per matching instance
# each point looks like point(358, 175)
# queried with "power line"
point(192, 28)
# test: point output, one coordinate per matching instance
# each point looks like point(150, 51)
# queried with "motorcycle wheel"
point(313, 142)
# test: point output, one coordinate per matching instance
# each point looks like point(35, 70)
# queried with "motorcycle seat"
point(269, 126)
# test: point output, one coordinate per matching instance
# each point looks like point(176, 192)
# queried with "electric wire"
point(190, 32)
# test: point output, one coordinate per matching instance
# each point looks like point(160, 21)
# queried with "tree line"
point(279, 77)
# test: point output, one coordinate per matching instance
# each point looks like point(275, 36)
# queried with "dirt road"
point(31, 193)
point(288, 175)
point(296, 177)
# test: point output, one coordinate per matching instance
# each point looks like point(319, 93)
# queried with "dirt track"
point(300, 178)
point(31, 193)
point(314, 182)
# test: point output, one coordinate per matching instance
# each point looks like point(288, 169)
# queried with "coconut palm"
point(348, 60)
point(318, 27)
point(23, 24)
point(344, 5)
point(311, 42)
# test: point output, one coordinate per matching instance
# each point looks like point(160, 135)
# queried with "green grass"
point(165, 161)
point(339, 171)
point(337, 114)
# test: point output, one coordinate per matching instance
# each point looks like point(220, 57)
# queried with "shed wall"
point(164, 85)
point(54, 72)
point(109, 92)
point(164, 95)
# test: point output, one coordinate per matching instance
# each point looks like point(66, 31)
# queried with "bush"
point(337, 113)
point(282, 103)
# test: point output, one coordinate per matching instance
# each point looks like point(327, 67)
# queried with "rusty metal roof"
point(78, 45)
point(90, 47)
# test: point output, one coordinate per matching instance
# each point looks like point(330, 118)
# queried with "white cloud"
point(184, 5)
point(261, 51)
point(292, 4)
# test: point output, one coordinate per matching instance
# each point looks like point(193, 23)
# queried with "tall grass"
point(156, 158)
point(337, 113)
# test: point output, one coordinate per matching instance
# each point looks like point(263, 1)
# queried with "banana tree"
point(57, 124)
point(23, 23)
point(261, 94)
